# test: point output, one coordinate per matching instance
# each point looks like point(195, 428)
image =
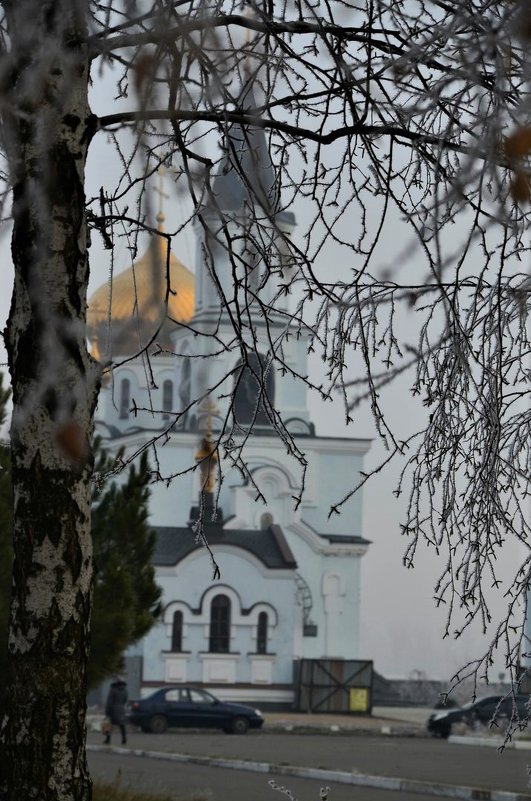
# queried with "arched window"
point(185, 384)
point(167, 398)
point(266, 520)
point(219, 641)
point(261, 634)
point(177, 632)
point(125, 398)
point(253, 385)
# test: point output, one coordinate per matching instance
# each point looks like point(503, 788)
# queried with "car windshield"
point(201, 697)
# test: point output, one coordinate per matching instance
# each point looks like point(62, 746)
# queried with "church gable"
point(228, 631)
point(269, 545)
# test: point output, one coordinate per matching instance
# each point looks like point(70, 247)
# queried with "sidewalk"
point(403, 721)
point(389, 721)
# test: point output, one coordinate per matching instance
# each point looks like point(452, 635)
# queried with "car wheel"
point(240, 725)
point(158, 724)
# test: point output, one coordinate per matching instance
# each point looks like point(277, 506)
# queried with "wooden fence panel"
point(343, 686)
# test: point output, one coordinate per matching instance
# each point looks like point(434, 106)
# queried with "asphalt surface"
point(418, 758)
point(198, 783)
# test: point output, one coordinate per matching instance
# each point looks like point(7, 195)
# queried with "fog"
point(402, 630)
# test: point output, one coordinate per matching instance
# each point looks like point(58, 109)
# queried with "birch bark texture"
point(46, 129)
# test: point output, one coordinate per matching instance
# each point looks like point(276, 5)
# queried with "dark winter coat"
point(116, 701)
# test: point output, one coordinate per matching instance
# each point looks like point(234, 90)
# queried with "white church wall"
point(333, 468)
point(228, 268)
point(205, 290)
point(147, 399)
point(274, 472)
point(333, 471)
point(291, 392)
point(334, 583)
point(251, 589)
point(274, 482)
point(109, 402)
point(171, 505)
point(341, 602)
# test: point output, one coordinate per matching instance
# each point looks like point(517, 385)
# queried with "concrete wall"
point(424, 692)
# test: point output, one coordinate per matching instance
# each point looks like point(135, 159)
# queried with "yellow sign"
point(358, 699)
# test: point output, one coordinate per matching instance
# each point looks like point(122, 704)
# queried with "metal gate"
point(333, 685)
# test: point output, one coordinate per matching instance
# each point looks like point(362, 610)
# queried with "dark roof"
point(268, 545)
point(115, 433)
point(345, 539)
point(338, 539)
point(247, 175)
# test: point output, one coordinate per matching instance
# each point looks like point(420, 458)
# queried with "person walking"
point(115, 707)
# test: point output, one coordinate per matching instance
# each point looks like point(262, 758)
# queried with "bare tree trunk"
point(47, 131)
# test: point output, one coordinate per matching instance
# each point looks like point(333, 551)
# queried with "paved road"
point(196, 783)
point(409, 758)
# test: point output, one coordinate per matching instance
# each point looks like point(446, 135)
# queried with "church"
point(255, 573)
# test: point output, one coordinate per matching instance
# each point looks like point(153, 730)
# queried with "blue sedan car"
point(504, 707)
point(191, 707)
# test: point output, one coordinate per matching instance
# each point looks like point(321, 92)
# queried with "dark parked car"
point(193, 708)
point(481, 711)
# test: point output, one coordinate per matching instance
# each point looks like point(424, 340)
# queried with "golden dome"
point(138, 295)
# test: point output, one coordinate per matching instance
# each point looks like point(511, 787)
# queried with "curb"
point(391, 729)
point(493, 742)
point(340, 777)
point(350, 731)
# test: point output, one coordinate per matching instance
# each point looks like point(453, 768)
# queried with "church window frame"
point(220, 625)
point(125, 398)
point(167, 398)
point(185, 384)
point(262, 628)
point(177, 632)
point(253, 391)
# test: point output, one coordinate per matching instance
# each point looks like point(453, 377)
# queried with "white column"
point(333, 590)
